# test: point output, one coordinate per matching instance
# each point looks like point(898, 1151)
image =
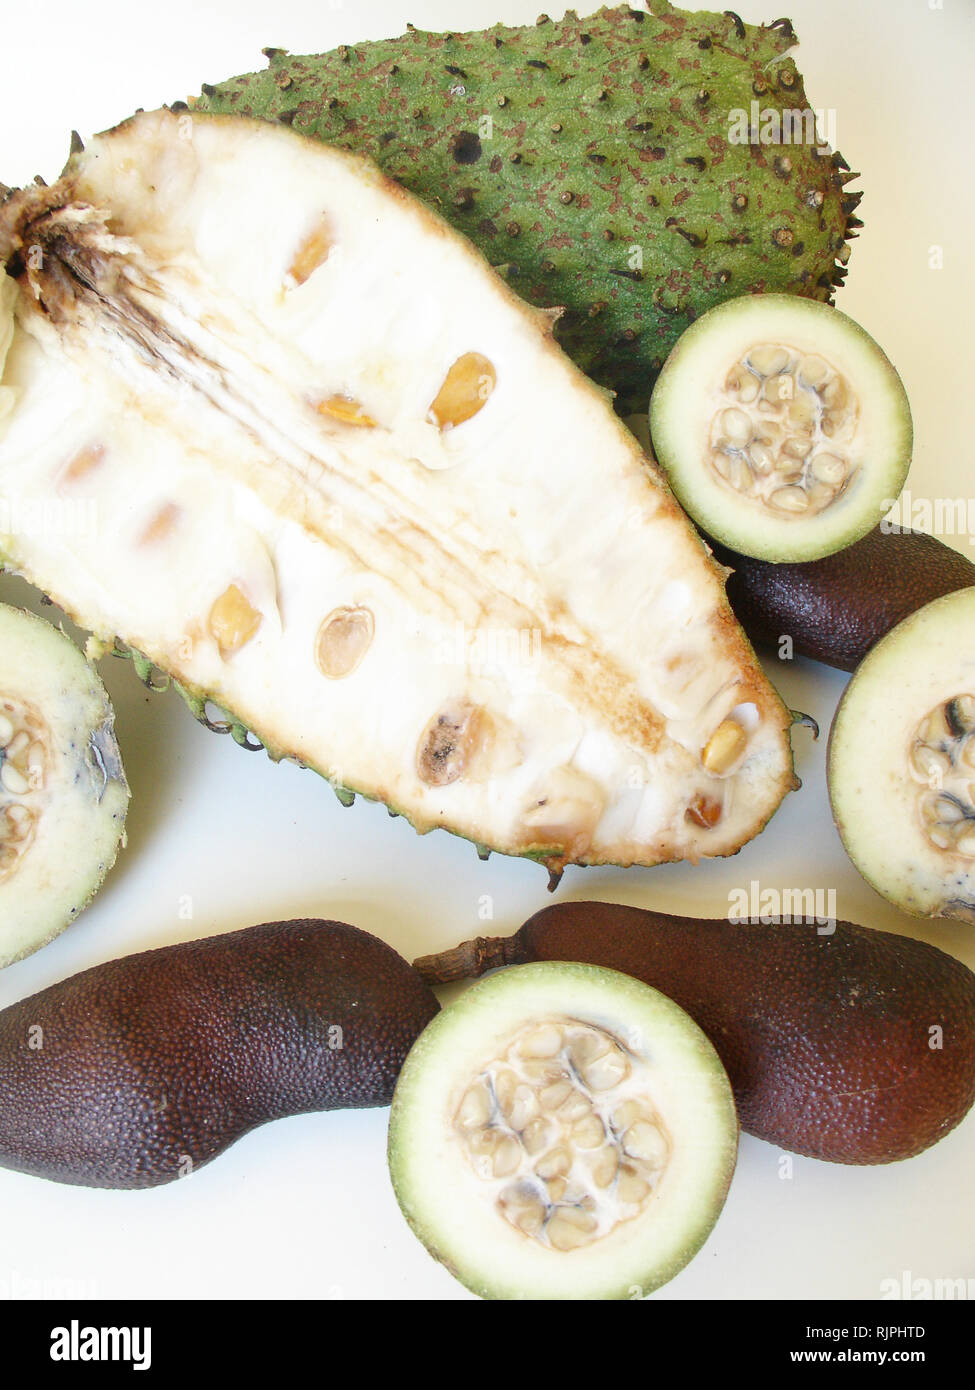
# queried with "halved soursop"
point(346, 486)
point(636, 168)
point(63, 793)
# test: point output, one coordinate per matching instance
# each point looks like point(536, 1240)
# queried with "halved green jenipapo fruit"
point(347, 487)
point(902, 762)
point(783, 428)
point(63, 794)
point(562, 1131)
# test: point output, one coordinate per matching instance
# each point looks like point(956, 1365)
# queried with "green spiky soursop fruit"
point(340, 480)
point(634, 168)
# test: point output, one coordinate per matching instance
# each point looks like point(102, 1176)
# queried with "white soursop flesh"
point(306, 452)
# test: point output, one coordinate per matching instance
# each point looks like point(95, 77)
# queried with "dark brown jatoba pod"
point(841, 1042)
point(139, 1070)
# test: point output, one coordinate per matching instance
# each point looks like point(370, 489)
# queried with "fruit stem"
point(805, 721)
point(470, 959)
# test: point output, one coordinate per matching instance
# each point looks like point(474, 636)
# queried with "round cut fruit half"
point(562, 1132)
point(902, 762)
point(783, 428)
point(63, 794)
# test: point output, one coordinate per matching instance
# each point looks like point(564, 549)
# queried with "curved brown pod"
point(139, 1070)
point(852, 1045)
point(837, 608)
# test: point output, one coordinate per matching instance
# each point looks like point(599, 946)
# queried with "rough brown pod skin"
point(145, 1068)
point(825, 1037)
point(835, 609)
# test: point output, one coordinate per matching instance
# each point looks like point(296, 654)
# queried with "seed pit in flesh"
point(562, 1126)
point(565, 811)
point(941, 759)
point(465, 389)
point(724, 747)
point(449, 743)
point(313, 252)
point(783, 431)
point(347, 410)
point(24, 763)
point(704, 811)
point(85, 461)
point(161, 524)
point(343, 640)
point(233, 620)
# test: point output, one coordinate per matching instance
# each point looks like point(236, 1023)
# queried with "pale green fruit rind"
point(684, 403)
point(925, 661)
point(591, 160)
point(82, 821)
point(439, 1195)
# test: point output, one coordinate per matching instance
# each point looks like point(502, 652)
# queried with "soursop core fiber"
point(634, 168)
point(347, 487)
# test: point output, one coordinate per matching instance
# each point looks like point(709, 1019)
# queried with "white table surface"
point(303, 1207)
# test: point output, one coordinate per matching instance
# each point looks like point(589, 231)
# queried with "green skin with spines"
point(606, 182)
point(199, 703)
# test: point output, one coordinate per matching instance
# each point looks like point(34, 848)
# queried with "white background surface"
point(303, 1208)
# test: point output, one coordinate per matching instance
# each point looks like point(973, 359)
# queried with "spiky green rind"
point(591, 160)
point(200, 705)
